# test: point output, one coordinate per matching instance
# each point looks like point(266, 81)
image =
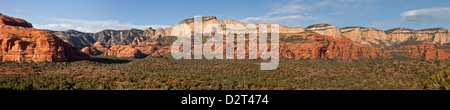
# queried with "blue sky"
point(96, 15)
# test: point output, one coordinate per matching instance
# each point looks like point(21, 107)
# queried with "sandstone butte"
point(124, 51)
point(19, 41)
point(132, 51)
point(152, 48)
point(99, 46)
point(90, 51)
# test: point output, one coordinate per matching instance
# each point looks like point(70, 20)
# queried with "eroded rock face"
point(159, 33)
point(23, 43)
point(75, 38)
point(328, 47)
point(152, 48)
point(376, 37)
point(341, 43)
point(6, 20)
point(213, 20)
point(124, 51)
point(434, 35)
point(149, 32)
point(119, 37)
point(366, 36)
point(90, 51)
point(100, 46)
point(397, 35)
point(426, 50)
point(325, 29)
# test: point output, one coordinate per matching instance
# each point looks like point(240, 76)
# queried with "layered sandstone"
point(90, 51)
point(7, 20)
point(320, 47)
point(342, 43)
point(20, 42)
point(426, 50)
point(124, 51)
point(366, 36)
point(376, 37)
point(434, 35)
point(100, 46)
point(222, 24)
point(152, 48)
point(324, 29)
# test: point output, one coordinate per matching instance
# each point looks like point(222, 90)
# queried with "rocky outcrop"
point(320, 47)
point(366, 36)
point(376, 37)
point(434, 35)
point(19, 42)
point(149, 33)
point(6, 20)
point(90, 51)
point(324, 29)
point(379, 38)
point(398, 35)
point(76, 38)
point(152, 48)
point(119, 37)
point(100, 46)
point(159, 33)
point(124, 51)
point(426, 50)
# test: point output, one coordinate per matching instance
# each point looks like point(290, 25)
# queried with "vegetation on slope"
point(165, 73)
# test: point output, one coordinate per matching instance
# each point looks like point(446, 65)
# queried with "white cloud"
point(428, 14)
point(91, 26)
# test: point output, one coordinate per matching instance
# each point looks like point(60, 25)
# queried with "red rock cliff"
point(426, 50)
point(20, 42)
point(320, 46)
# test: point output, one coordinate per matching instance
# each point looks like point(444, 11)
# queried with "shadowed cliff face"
point(6, 20)
point(76, 38)
point(119, 37)
point(20, 42)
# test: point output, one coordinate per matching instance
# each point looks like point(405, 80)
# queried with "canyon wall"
point(20, 42)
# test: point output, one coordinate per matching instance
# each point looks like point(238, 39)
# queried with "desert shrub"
point(439, 81)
